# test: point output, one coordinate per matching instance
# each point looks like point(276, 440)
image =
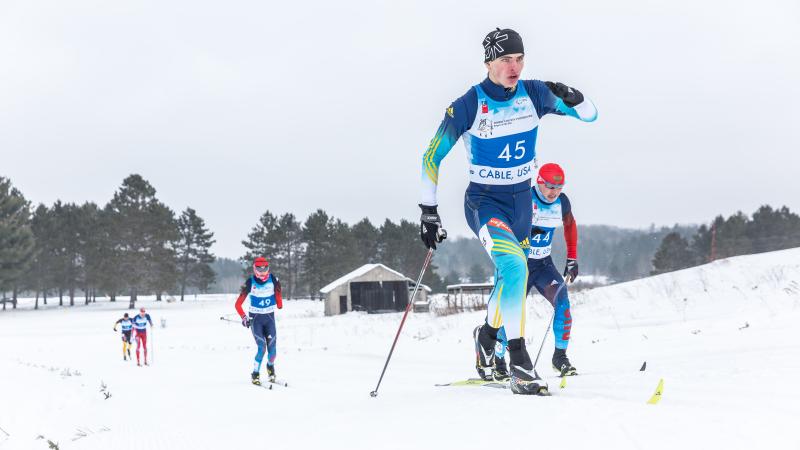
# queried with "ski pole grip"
point(441, 234)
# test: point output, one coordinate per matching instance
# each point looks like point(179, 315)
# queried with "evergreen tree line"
point(621, 254)
point(134, 245)
point(767, 230)
point(307, 256)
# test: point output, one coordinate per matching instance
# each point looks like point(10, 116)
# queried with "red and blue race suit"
point(542, 273)
point(264, 296)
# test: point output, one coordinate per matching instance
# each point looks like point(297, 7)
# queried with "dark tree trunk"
point(36, 304)
point(133, 299)
point(14, 297)
point(113, 296)
point(71, 296)
point(60, 297)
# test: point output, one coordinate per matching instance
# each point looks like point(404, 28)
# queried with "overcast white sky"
point(237, 107)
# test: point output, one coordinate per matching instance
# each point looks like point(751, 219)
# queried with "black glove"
point(246, 322)
point(429, 227)
point(571, 269)
point(570, 96)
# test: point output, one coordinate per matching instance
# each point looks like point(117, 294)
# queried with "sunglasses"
point(552, 186)
point(261, 269)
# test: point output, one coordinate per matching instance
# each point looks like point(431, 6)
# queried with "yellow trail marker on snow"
point(657, 396)
point(563, 382)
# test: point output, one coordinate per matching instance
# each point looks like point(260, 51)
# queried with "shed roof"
point(355, 274)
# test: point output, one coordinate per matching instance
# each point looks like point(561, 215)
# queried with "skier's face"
point(549, 194)
point(506, 69)
point(261, 272)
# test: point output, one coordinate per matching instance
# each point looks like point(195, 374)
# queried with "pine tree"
point(673, 254)
point(193, 252)
point(290, 253)
point(17, 245)
point(91, 247)
point(478, 273)
point(367, 238)
point(40, 275)
point(144, 232)
point(262, 239)
point(318, 259)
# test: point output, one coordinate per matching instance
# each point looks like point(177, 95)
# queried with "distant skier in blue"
point(499, 121)
point(127, 329)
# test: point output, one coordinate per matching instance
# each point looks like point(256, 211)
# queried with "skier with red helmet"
point(263, 290)
point(551, 208)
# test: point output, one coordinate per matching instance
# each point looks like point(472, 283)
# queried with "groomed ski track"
point(723, 336)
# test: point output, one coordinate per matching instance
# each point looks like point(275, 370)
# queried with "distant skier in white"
point(551, 209)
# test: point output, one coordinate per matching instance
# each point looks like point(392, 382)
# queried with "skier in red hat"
point(263, 290)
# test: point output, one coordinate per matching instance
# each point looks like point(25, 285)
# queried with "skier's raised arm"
point(557, 98)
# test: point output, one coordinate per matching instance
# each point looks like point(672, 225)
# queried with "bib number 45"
point(519, 151)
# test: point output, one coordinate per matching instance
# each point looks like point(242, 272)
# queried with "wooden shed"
point(373, 288)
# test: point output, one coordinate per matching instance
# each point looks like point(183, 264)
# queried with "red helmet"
point(261, 267)
point(551, 175)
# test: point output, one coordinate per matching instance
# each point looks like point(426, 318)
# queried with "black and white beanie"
point(501, 42)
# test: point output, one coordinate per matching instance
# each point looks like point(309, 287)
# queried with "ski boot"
point(562, 365)
point(484, 350)
point(500, 371)
point(271, 372)
point(524, 379)
point(255, 378)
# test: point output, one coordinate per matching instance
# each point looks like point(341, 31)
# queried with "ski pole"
point(443, 235)
point(152, 345)
point(555, 298)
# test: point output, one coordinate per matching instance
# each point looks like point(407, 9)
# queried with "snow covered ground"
point(722, 336)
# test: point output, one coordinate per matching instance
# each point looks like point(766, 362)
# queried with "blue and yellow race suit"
point(499, 127)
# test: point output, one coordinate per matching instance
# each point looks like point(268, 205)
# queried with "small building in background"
point(373, 288)
point(468, 296)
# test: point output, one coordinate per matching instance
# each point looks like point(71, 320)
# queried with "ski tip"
point(563, 383)
point(644, 366)
point(657, 395)
point(544, 392)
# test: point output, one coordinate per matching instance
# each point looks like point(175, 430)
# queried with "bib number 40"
point(519, 151)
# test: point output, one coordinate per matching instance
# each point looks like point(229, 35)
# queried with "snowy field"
point(723, 337)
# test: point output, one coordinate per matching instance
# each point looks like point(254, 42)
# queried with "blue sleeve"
point(148, 319)
point(566, 206)
point(457, 119)
point(547, 103)
point(543, 100)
